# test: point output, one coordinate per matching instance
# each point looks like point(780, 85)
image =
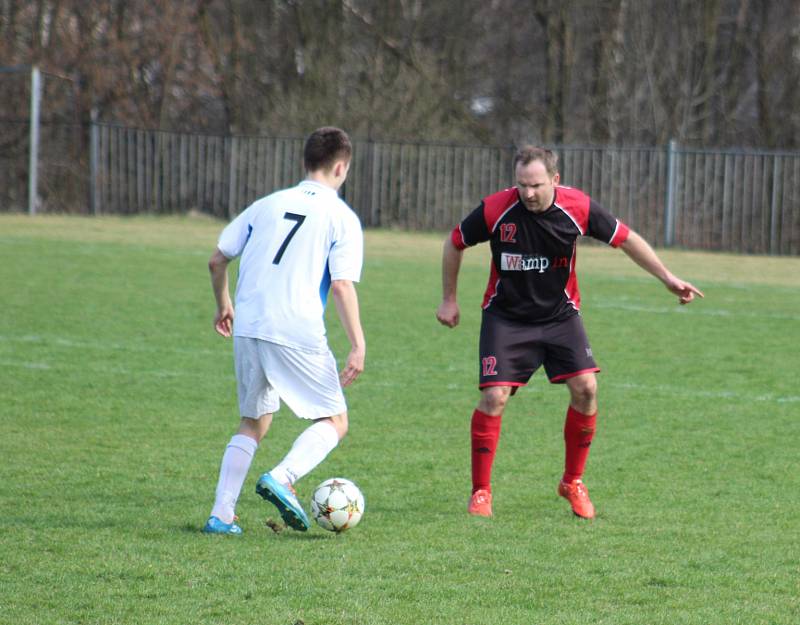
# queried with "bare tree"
point(717, 72)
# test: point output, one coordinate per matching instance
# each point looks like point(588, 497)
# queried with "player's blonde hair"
point(529, 153)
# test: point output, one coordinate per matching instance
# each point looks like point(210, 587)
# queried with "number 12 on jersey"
point(291, 217)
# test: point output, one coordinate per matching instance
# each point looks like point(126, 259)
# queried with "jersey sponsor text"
point(523, 262)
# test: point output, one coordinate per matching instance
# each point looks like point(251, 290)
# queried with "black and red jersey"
point(532, 275)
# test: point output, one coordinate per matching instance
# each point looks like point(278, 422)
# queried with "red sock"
point(578, 434)
point(485, 432)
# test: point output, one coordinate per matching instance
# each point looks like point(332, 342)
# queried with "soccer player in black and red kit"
point(531, 308)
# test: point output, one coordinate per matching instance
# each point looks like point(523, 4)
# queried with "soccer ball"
point(337, 504)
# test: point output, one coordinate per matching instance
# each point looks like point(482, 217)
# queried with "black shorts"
point(511, 351)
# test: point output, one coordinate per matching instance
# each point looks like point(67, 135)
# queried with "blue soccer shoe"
point(215, 526)
point(285, 499)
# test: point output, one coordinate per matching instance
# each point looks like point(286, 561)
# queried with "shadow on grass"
point(197, 528)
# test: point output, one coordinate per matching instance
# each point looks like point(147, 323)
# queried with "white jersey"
point(292, 244)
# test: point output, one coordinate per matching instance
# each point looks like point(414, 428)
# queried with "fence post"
point(33, 156)
point(669, 209)
point(232, 179)
point(94, 149)
point(773, 220)
point(375, 185)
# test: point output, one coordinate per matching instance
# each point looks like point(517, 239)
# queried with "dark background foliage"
point(710, 73)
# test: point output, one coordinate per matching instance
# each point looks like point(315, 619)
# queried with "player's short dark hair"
point(325, 146)
point(529, 153)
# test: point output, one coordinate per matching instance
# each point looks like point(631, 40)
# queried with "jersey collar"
point(319, 187)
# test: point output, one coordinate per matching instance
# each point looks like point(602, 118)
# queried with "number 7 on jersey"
point(292, 217)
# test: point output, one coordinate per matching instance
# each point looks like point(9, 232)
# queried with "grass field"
point(117, 400)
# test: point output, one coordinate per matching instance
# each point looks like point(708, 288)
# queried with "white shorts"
point(266, 372)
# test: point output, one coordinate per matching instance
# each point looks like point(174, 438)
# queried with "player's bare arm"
point(448, 312)
point(346, 299)
point(218, 267)
point(643, 255)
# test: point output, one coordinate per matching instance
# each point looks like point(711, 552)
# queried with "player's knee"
point(340, 424)
point(255, 428)
point(584, 390)
point(493, 400)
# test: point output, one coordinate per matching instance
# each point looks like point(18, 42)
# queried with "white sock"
point(235, 464)
point(310, 448)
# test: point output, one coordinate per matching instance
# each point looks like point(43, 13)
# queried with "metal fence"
point(62, 171)
point(726, 200)
point(415, 186)
point(14, 166)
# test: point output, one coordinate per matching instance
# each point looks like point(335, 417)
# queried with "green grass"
point(117, 400)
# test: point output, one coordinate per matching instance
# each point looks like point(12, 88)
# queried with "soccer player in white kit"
point(296, 246)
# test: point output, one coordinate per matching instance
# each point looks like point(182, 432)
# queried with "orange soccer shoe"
point(578, 497)
point(480, 504)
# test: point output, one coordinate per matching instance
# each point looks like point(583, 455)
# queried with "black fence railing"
point(730, 200)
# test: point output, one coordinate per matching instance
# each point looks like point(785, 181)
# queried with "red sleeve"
point(620, 234)
point(458, 238)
